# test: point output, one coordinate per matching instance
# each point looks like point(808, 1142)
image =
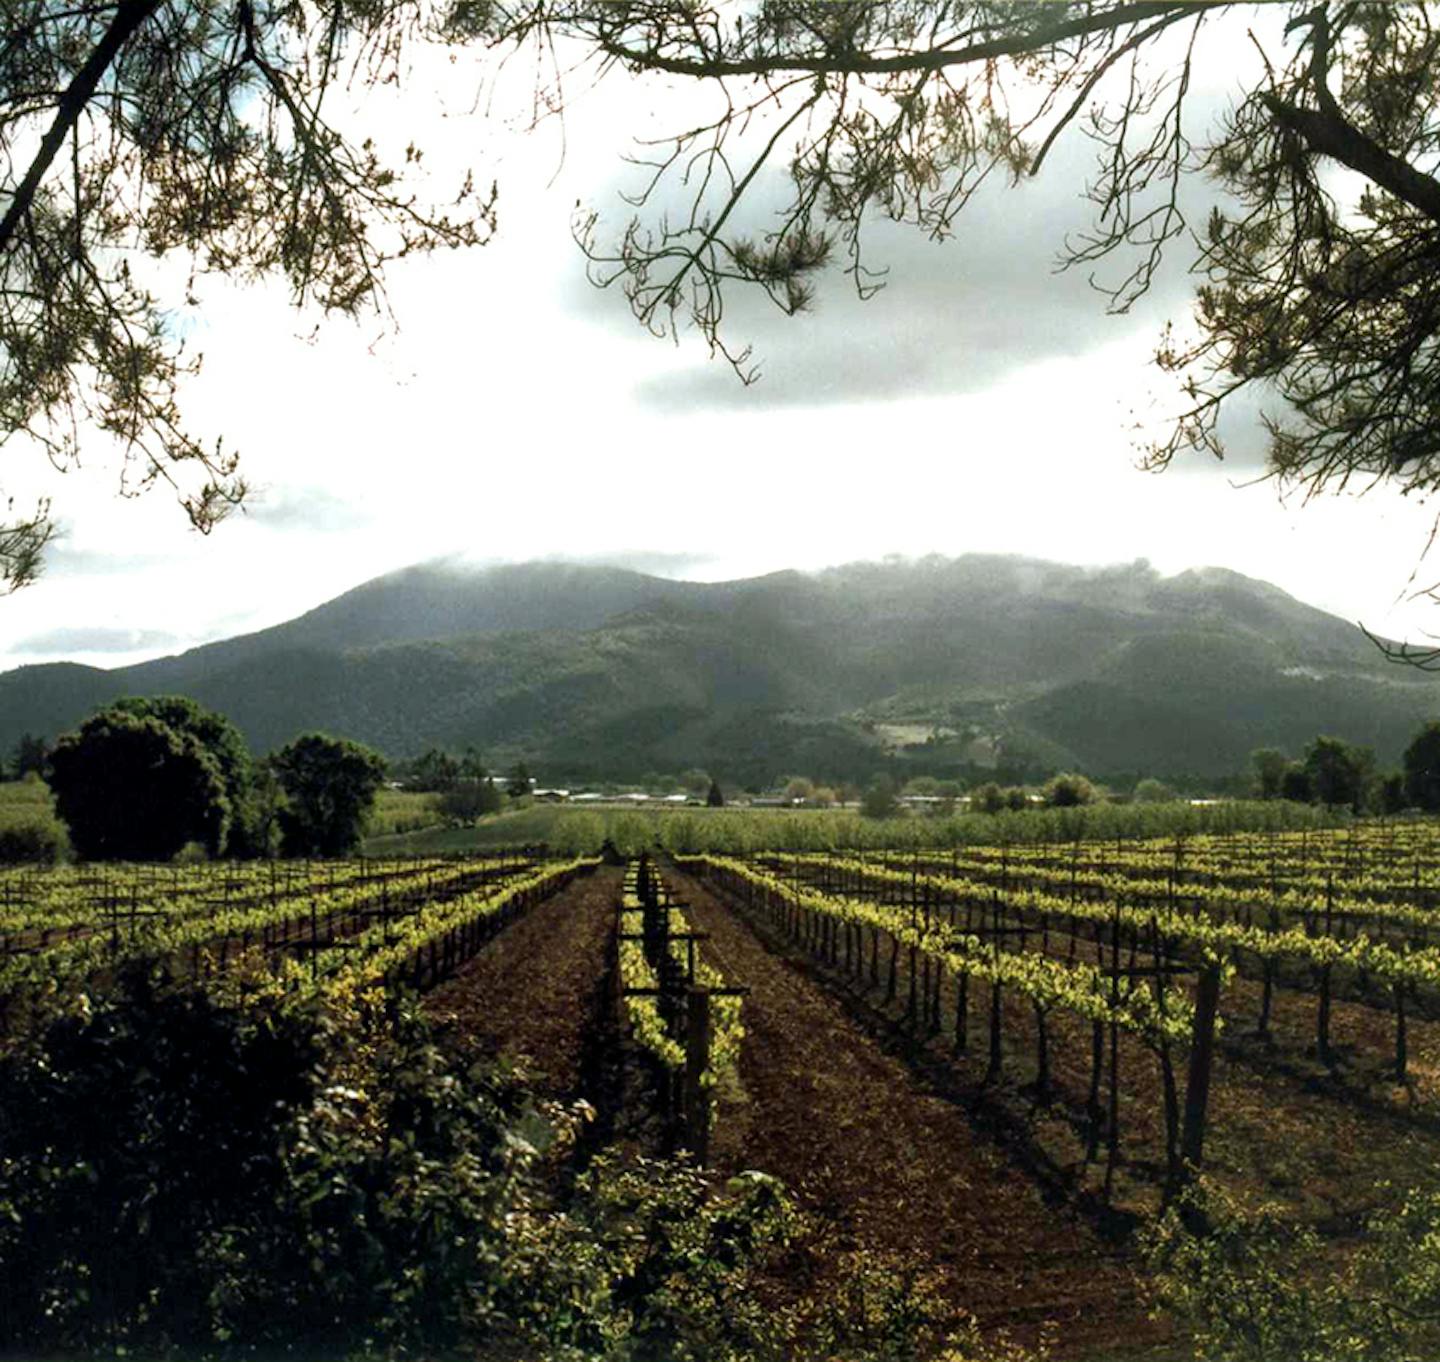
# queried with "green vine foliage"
point(1255, 1287)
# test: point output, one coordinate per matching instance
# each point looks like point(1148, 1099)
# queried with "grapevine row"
point(680, 1009)
point(1113, 995)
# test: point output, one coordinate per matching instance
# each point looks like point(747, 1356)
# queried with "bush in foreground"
point(1258, 1288)
point(184, 1178)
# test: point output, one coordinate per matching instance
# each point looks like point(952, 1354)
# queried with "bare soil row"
point(899, 1169)
point(887, 1168)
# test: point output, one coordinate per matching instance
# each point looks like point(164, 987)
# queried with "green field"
point(402, 811)
point(569, 829)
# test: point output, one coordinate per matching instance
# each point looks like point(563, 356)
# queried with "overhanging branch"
point(128, 19)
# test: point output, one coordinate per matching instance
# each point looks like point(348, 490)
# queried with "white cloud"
point(515, 415)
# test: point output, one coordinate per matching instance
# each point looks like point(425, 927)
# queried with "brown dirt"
point(894, 1168)
point(527, 995)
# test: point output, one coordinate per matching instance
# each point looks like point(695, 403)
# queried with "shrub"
point(1254, 1286)
point(30, 836)
point(184, 1177)
point(1067, 791)
point(467, 800)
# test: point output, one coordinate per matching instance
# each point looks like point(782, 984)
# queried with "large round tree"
point(329, 785)
point(132, 788)
point(214, 732)
point(246, 834)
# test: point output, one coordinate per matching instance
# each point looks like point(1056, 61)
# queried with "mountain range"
point(941, 665)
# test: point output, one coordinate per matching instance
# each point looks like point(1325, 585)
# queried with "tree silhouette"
point(132, 788)
point(330, 785)
point(1422, 768)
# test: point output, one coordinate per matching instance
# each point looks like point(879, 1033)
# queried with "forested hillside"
point(947, 662)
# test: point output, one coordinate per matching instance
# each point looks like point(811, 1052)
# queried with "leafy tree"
point(1017, 798)
point(798, 789)
point(471, 767)
point(214, 141)
point(255, 832)
point(1296, 784)
point(519, 782)
point(171, 130)
point(987, 798)
point(695, 781)
point(1270, 765)
point(330, 785)
point(1067, 790)
point(1389, 792)
point(1339, 772)
point(1152, 791)
point(435, 771)
point(132, 788)
point(879, 800)
point(1422, 768)
point(31, 754)
point(715, 797)
point(211, 730)
point(202, 128)
point(252, 812)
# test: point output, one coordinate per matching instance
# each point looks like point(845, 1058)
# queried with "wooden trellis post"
point(697, 1060)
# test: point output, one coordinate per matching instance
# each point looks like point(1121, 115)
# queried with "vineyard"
point(304, 928)
point(990, 1066)
point(1101, 978)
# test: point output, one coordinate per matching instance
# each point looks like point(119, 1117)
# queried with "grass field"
point(402, 811)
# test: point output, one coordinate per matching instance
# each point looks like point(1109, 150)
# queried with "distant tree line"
point(147, 776)
point(464, 789)
point(1338, 774)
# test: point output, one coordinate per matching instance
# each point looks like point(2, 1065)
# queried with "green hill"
point(938, 664)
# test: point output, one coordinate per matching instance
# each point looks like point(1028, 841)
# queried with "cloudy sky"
point(508, 410)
